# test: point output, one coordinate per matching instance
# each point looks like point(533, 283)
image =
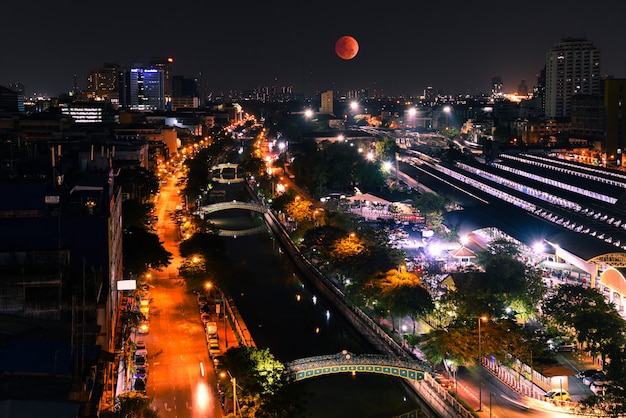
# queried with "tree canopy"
point(261, 389)
point(585, 313)
point(133, 405)
point(143, 250)
point(403, 294)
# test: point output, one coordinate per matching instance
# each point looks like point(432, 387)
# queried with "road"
point(499, 401)
point(181, 377)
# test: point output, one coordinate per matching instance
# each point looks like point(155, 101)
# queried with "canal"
point(284, 314)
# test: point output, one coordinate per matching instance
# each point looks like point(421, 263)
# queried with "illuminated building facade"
point(326, 105)
point(572, 67)
point(102, 83)
point(143, 89)
point(165, 65)
point(82, 112)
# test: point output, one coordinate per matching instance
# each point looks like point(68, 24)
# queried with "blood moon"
point(346, 47)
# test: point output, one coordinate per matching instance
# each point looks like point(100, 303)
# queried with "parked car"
point(588, 380)
point(140, 360)
point(586, 373)
point(205, 317)
point(140, 348)
point(217, 362)
point(141, 372)
point(563, 346)
point(211, 329)
point(599, 387)
point(214, 348)
point(558, 395)
point(202, 300)
point(144, 308)
point(140, 385)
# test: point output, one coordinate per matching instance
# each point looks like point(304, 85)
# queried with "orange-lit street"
point(181, 377)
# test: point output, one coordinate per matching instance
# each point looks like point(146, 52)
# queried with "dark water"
point(282, 314)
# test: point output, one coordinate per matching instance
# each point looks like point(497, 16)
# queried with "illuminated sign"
point(126, 284)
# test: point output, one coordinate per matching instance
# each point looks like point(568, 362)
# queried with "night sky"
point(454, 46)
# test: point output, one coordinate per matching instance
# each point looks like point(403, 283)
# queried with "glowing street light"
point(447, 110)
point(453, 368)
point(480, 375)
point(236, 410)
point(464, 240)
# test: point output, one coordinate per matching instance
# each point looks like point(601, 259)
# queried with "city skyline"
point(452, 47)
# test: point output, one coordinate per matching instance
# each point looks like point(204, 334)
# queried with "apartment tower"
point(572, 67)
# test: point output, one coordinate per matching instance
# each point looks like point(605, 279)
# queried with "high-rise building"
point(326, 102)
point(587, 119)
point(102, 83)
point(165, 65)
point(11, 100)
point(184, 92)
point(572, 67)
point(615, 124)
point(143, 89)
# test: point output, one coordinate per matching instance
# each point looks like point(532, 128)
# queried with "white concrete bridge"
point(234, 204)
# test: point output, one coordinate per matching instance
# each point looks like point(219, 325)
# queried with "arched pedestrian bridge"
point(227, 173)
point(346, 362)
point(216, 207)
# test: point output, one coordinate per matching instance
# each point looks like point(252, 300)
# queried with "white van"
point(211, 328)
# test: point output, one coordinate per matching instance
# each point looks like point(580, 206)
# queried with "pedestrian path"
point(237, 328)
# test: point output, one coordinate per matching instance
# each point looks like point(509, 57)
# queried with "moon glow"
point(346, 47)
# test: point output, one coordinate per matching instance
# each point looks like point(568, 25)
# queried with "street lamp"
point(453, 369)
point(447, 110)
point(490, 396)
point(235, 402)
point(480, 375)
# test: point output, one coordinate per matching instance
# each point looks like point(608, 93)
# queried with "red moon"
point(346, 47)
